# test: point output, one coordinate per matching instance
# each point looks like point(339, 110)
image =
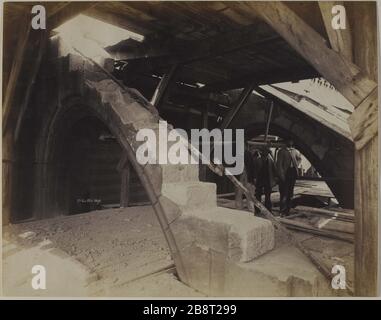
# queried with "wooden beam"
point(56, 16)
point(267, 144)
point(205, 116)
point(343, 74)
point(364, 121)
point(18, 60)
point(162, 89)
point(115, 13)
point(174, 108)
point(300, 226)
point(40, 49)
point(345, 215)
point(186, 52)
point(292, 73)
point(205, 125)
point(340, 39)
point(238, 193)
point(245, 94)
point(269, 120)
point(67, 12)
point(366, 220)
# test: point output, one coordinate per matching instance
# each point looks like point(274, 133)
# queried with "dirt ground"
point(127, 251)
point(124, 247)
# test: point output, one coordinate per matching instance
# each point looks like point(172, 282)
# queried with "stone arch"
point(256, 129)
point(82, 92)
point(54, 150)
point(330, 152)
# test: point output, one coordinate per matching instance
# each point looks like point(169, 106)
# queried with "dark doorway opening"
point(93, 154)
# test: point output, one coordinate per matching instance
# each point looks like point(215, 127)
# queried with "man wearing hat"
point(266, 176)
point(288, 159)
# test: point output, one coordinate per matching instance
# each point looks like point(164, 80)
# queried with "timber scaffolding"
point(256, 44)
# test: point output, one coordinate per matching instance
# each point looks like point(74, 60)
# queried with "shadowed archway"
point(328, 151)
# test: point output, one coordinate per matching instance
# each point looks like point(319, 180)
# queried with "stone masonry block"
point(237, 234)
point(191, 195)
point(179, 173)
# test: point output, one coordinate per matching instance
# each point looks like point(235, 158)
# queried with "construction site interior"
point(76, 200)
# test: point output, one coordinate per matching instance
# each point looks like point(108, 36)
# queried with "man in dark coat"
point(266, 176)
point(288, 159)
point(249, 165)
point(247, 178)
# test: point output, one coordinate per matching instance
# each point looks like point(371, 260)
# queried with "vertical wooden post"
point(7, 177)
point(366, 162)
point(205, 116)
point(269, 120)
point(238, 192)
point(203, 168)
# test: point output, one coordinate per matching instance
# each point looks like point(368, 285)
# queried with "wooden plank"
point(223, 195)
point(340, 39)
point(350, 211)
point(325, 212)
point(363, 122)
point(334, 224)
point(300, 226)
point(343, 74)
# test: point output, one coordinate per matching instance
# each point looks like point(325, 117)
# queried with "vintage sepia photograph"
point(190, 149)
